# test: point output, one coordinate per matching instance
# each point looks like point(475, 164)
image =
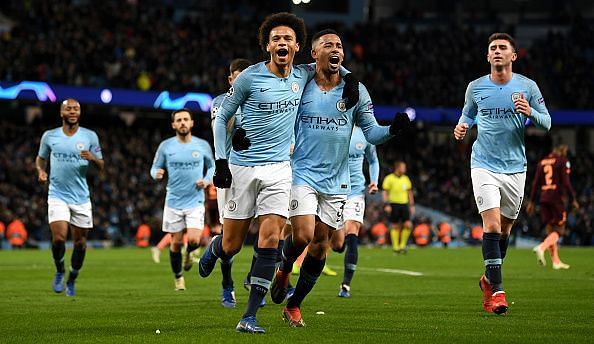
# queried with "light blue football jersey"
point(322, 137)
point(184, 163)
point(68, 171)
point(359, 150)
point(499, 146)
point(269, 107)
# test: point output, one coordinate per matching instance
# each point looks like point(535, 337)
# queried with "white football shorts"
point(176, 220)
point(79, 215)
point(307, 201)
point(498, 190)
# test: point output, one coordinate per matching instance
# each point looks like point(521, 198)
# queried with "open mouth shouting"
point(282, 52)
point(334, 61)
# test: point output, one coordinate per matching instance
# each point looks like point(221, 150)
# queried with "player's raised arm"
point(365, 119)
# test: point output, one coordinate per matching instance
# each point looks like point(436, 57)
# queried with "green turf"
point(122, 296)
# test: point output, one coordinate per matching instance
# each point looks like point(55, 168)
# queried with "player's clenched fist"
point(159, 174)
point(42, 176)
point(460, 131)
point(522, 106)
point(222, 177)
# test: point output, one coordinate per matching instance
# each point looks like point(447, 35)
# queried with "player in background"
point(235, 67)
point(320, 169)
point(500, 102)
point(259, 173)
point(183, 158)
point(347, 240)
point(400, 204)
point(162, 244)
point(552, 180)
point(70, 149)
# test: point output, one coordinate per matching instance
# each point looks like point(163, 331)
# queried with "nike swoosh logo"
point(483, 98)
point(264, 89)
point(303, 103)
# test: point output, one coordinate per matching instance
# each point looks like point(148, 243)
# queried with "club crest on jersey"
point(294, 204)
point(359, 146)
point(230, 92)
point(516, 95)
point(294, 87)
point(80, 146)
point(195, 154)
point(231, 205)
point(341, 105)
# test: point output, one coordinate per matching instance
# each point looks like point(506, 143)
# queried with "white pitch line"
point(394, 271)
point(404, 272)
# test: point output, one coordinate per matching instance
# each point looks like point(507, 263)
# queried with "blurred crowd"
point(125, 196)
point(154, 45)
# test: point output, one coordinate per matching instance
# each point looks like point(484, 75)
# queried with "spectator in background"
point(16, 233)
point(2, 232)
point(143, 235)
point(422, 234)
point(444, 233)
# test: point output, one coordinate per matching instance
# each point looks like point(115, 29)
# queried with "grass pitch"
point(428, 295)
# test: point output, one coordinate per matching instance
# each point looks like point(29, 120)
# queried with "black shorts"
point(399, 213)
point(553, 213)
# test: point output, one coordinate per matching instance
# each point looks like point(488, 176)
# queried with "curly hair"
point(282, 19)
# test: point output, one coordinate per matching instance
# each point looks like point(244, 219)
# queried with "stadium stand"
point(77, 43)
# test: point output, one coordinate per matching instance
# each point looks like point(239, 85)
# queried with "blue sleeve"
point(373, 161)
point(233, 100)
point(94, 147)
point(540, 115)
point(364, 119)
point(208, 162)
point(469, 111)
point(44, 148)
point(214, 106)
point(158, 161)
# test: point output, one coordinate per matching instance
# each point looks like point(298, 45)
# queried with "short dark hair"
point(504, 36)
point(238, 65)
point(282, 19)
point(321, 33)
point(175, 112)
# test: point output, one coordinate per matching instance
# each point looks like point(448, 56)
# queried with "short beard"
point(69, 124)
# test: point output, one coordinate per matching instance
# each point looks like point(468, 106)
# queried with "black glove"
point(240, 141)
point(400, 123)
point(350, 92)
point(222, 177)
